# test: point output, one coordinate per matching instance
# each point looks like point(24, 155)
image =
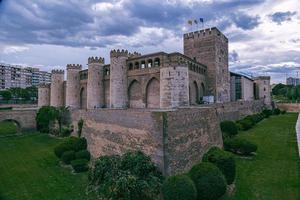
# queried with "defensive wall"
point(175, 139)
point(25, 118)
point(289, 107)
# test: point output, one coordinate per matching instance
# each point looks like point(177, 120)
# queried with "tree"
point(44, 117)
point(63, 117)
point(6, 95)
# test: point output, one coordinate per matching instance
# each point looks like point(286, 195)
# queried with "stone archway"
point(194, 93)
point(135, 95)
point(152, 93)
point(14, 123)
point(83, 97)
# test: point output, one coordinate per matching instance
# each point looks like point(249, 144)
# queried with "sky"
point(264, 35)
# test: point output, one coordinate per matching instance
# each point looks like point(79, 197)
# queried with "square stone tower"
point(210, 47)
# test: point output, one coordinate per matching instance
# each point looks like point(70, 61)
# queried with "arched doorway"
point(194, 93)
point(152, 94)
point(83, 96)
point(202, 92)
point(9, 127)
point(135, 95)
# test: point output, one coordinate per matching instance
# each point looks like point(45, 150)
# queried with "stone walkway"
point(298, 133)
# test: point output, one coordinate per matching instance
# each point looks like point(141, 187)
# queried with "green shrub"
point(80, 125)
point(240, 146)
point(224, 161)
point(44, 117)
point(130, 176)
point(80, 144)
point(276, 111)
point(209, 181)
point(66, 131)
point(267, 112)
point(83, 154)
point(178, 188)
point(67, 145)
point(245, 124)
point(283, 112)
point(68, 156)
point(229, 128)
point(80, 165)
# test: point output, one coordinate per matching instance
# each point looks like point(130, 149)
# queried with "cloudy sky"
point(264, 35)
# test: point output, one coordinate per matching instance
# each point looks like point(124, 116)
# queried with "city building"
point(293, 81)
point(241, 87)
point(17, 76)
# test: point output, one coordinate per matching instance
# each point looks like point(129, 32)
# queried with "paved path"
point(298, 133)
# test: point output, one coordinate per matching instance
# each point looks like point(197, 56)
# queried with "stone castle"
point(149, 102)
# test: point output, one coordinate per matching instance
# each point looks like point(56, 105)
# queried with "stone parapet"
point(99, 60)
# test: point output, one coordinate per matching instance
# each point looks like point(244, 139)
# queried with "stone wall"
point(25, 118)
point(289, 107)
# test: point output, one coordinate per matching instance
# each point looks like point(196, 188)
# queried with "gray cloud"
point(280, 17)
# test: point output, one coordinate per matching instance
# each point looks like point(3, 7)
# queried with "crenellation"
point(74, 66)
point(57, 71)
point(119, 53)
point(99, 60)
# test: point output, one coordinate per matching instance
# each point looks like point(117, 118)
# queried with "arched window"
point(156, 62)
point(143, 64)
point(150, 63)
point(130, 67)
point(136, 65)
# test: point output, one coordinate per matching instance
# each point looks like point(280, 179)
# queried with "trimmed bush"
point(267, 112)
point(229, 128)
point(276, 111)
point(80, 165)
point(67, 145)
point(68, 156)
point(240, 146)
point(224, 161)
point(83, 154)
point(80, 144)
point(283, 112)
point(245, 124)
point(66, 131)
point(178, 188)
point(209, 181)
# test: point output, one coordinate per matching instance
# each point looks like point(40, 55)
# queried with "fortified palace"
point(170, 125)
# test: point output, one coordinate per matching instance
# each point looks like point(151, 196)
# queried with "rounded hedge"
point(267, 112)
point(224, 161)
point(179, 187)
point(80, 144)
point(83, 154)
point(68, 156)
point(240, 146)
point(276, 111)
point(283, 112)
point(229, 127)
point(80, 165)
point(245, 124)
point(209, 181)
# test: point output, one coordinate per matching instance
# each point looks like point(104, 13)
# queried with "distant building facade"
point(293, 81)
point(17, 76)
point(241, 87)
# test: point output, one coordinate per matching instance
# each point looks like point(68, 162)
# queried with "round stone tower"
point(73, 86)
point(57, 88)
point(118, 79)
point(95, 83)
point(43, 95)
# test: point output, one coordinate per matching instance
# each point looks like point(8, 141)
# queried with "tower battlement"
point(74, 66)
point(44, 85)
point(118, 53)
point(204, 33)
point(99, 60)
point(135, 54)
point(57, 71)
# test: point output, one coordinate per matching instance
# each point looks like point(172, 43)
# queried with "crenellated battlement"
point(44, 85)
point(204, 33)
point(96, 59)
point(57, 71)
point(118, 53)
point(135, 54)
point(74, 66)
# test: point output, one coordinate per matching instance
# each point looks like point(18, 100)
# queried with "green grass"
point(30, 170)
point(8, 128)
point(274, 173)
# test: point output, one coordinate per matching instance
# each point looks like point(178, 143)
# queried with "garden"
point(259, 161)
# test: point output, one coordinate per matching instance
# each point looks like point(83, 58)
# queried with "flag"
point(201, 20)
point(195, 21)
point(190, 22)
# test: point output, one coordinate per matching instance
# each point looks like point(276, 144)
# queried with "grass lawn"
point(8, 128)
point(30, 170)
point(274, 173)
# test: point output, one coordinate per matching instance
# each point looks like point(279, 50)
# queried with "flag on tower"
point(201, 20)
point(190, 22)
point(195, 21)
